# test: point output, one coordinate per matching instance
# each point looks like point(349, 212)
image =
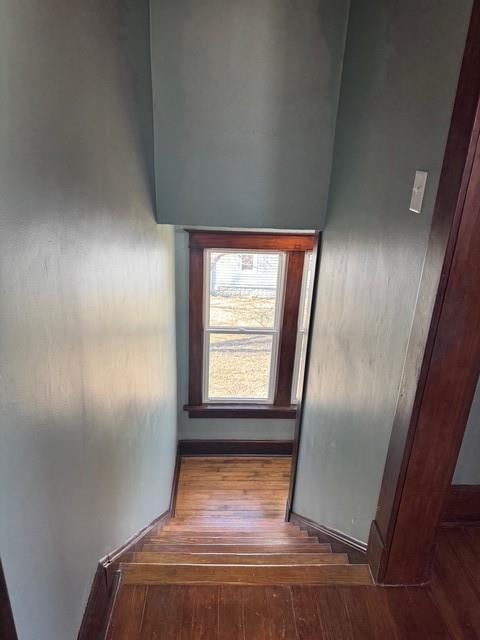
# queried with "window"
point(242, 325)
point(249, 307)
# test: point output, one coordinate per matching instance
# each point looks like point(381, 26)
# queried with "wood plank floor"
point(449, 608)
point(237, 488)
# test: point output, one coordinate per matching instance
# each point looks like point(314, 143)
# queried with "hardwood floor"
point(209, 488)
point(228, 567)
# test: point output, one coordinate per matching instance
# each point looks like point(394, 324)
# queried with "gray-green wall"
point(400, 71)
point(215, 428)
point(87, 334)
point(468, 465)
point(245, 97)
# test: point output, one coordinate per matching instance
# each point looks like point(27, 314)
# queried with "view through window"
point(242, 324)
point(243, 317)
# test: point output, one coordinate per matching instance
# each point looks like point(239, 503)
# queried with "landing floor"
point(243, 488)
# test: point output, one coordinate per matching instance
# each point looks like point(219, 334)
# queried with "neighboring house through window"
point(247, 261)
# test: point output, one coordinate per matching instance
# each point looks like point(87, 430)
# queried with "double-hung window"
point(243, 312)
point(249, 303)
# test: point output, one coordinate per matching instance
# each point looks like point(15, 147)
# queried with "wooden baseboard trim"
point(176, 475)
point(375, 552)
point(339, 541)
point(96, 612)
point(105, 582)
point(462, 505)
point(7, 623)
point(114, 589)
point(235, 447)
point(113, 559)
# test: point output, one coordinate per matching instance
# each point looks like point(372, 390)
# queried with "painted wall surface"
point(87, 329)
point(468, 465)
point(245, 101)
point(217, 428)
point(398, 86)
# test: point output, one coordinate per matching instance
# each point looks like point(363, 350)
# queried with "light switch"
point(418, 191)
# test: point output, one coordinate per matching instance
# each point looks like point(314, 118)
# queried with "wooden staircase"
point(253, 553)
point(237, 548)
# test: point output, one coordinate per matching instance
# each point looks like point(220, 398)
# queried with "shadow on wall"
point(307, 77)
point(74, 137)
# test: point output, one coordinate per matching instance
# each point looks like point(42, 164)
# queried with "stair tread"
point(246, 531)
point(314, 547)
point(139, 573)
point(216, 537)
point(155, 557)
point(252, 532)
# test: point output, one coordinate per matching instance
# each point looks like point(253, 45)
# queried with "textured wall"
point(245, 98)
point(87, 335)
point(468, 465)
point(400, 71)
point(211, 428)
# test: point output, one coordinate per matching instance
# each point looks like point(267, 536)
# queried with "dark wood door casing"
point(443, 410)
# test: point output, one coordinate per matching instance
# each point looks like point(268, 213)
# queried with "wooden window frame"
point(295, 246)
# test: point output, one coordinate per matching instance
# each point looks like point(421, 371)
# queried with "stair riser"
point(274, 559)
point(231, 531)
point(261, 517)
point(238, 548)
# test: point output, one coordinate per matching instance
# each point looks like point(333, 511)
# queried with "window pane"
point(302, 346)
point(243, 289)
point(303, 322)
point(239, 366)
point(307, 295)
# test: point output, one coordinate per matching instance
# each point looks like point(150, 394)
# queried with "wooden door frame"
point(443, 355)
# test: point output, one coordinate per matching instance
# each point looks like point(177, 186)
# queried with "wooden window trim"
point(288, 331)
point(251, 241)
point(249, 410)
point(295, 246)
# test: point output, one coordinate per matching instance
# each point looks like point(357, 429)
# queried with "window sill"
point(240, 411)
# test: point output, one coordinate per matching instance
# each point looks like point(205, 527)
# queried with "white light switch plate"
point(418, 191)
